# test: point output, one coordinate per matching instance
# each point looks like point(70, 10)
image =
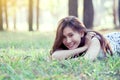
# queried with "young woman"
point(74, 40)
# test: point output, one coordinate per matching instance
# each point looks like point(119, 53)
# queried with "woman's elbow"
point(91, 59)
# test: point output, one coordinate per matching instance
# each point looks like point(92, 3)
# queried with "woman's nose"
point(68, 40)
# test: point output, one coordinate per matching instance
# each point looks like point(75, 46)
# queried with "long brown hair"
point(78, 26)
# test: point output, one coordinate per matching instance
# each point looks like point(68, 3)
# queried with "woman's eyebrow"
point(70, 33)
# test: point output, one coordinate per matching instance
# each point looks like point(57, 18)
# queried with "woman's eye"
point(64, 37)
point(70, 35)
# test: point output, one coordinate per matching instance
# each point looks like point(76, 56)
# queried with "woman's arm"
point(63, 54)
point(93, 49)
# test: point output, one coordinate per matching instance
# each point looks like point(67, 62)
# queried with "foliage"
point(25, 56)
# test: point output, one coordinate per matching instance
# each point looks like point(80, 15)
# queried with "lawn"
point(25, 56)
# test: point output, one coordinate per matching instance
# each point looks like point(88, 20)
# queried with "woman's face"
point(71, 38)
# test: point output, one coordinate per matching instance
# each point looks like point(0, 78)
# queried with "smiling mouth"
point(70, 46)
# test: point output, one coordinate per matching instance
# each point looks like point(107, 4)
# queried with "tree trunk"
point(88, 14)
point(30, 15)
point(115, 14)
point(14, 16)
point(6, 15)
point(1, 19)
point(73, 8)
point(37, 13)
point(14, 19)
point(119, 12)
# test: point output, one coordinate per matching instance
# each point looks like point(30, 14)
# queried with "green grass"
point(25, 56)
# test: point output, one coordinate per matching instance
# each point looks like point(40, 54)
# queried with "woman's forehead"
point(68, 30)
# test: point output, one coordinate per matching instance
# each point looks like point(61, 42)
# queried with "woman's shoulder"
point(96, 40)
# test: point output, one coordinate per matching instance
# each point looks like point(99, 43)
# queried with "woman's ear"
point(82, 33)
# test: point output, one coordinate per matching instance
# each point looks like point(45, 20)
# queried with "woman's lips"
point(70, 46)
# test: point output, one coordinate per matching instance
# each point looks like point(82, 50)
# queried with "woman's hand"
point(89, 37)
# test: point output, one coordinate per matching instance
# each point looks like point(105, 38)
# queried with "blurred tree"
point(1, 19)
point(14, 13)
point(30, 20)
point(6, 15)
point(115, 13)
point(37, 13)
point(73, 7)
point(119, 12)
point(88, 14)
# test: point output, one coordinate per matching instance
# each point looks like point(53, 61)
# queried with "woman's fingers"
point(92, 34)
point(89, 37)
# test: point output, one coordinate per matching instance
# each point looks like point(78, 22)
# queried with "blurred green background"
point(27, 32)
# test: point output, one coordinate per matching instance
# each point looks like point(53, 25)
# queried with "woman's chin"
point(72, 48)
